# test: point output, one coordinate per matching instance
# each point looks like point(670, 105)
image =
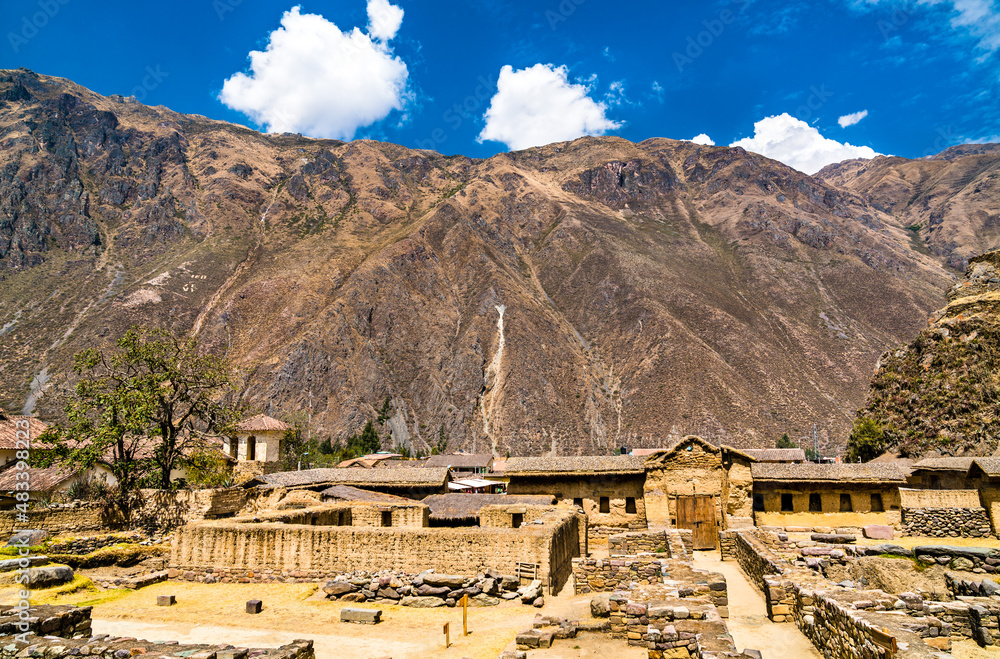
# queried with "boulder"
point(600, 605)
point(422, 602)
point(532, 592)
point(538, 603)
point(490, 587)
point(962, 563)
point(895, 550)
point(878, 532)
point(989, 587)
point(833, 538)
point(509, 583)
point(15, 563)
point(483, 600)
point(54, 575)
point(431, 591)
point(28, 538)
point(444, 580)
point(337, 588)
point(353, 597)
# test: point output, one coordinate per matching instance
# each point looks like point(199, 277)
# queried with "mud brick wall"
point(114, 648)
point(630, 544)
point(946, 522)
point(57, 520)
point(315, 551)
point(171, 508)
point(47, 620)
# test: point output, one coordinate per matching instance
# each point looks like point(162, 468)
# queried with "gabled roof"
point(9, 427)
point(988, 466)
point(358, 477)
point(262, 423)
point(460, 461)
point(455, 507)
point(866, 472)
point(663, 455)
point(944, 464)
point(775, 454)
point(575, 466)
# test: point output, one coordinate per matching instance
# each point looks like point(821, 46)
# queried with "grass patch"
point(123, 554)
point(34, 550)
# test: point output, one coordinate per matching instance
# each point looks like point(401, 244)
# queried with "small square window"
point(630, 505)
point(578, 502)
point(758, 503)
point(386, 518)
point(786, 503)
point(845, 503)
point(877, 505)
point(815, 503)
point(516, 520)
point(605, 505)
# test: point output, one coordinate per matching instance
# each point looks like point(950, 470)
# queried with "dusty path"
point(748, 623)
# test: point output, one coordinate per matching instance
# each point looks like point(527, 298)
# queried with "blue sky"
point(479, 77)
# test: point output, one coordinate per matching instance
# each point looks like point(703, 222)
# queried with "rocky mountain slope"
point(941, 392)
point(566, 299)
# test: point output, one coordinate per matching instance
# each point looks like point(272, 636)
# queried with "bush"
point(867, 441)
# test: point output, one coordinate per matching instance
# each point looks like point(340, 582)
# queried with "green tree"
point(386, 412)
point(786, 442)
point(867, 440)
point(139, 409)
point(208, 469)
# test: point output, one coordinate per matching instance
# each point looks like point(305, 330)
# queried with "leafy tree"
point(786, 442)
point(867, 440)
point(208, 469)
point(139, 408)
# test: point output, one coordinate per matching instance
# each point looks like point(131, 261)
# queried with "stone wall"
point(640, 542)
point(597, 575)
point(946, 522)
point(87, 544)
point(107, 647)
point(320, 552)
point(682, 472)
point(737, 492)
point(57, 520)
point(47, 620)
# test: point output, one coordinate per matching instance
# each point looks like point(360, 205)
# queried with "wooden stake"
point(447, 641)
point(465, 614)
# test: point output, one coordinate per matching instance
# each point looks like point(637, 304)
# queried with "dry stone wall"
point(75, 517)
point(47, 620)
point(647, 542)
point(946, 522)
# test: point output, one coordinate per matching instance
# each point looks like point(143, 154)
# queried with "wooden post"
point(465, 614)
point(447, 641)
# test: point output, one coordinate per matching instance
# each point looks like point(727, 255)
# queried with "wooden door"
point(698, 514)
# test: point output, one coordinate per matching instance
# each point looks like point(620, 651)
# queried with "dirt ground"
point(216, 614)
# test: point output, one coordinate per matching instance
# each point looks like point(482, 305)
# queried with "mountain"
point(940, 393)
point(567, 299)
point(950, 202)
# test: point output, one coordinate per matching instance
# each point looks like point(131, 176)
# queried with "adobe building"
point(10, 424)
point(941, 474)
point(609, 489)
point(691, 468)
point(256, 446)
point(985, 472)
point(412, 482)
point(828, 495)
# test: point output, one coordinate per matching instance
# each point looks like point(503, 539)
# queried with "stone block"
point(254, 606)
point(878, 532)
point(444, 580)
point(834, 538)
point(28, 538)
point(165, 600)
point(361, 616)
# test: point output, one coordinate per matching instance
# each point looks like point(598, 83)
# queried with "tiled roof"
point(775, 454)
point(8, 429)
point(39, 480)
point(460, 461)
point(359, 477)
point(593, 464)
point(989, 466)
point(871, 472)
point(262, 423)
point(348, 493)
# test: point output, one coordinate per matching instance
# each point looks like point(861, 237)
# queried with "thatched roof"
point(461, 461)
point(466, 507)
point(348, 493)
point(359, 477)
point(866, 472)
point(986, 466)
point(575, 466)
point(262, 423)
point(775, 454)
point(9, 428)
point(944, 464)
point(40, 480)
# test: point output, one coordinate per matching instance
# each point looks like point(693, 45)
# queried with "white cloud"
point(799, 145)
point(316, 80)
point(703, 139)
point(384, 20)
point(539, 105)
point(851, 119)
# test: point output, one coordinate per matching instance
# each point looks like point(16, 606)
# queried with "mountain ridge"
point(648, 290)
